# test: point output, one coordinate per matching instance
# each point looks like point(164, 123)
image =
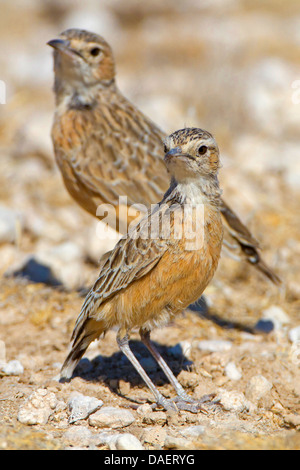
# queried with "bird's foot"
point(187, 403)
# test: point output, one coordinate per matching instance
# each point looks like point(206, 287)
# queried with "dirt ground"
point(230, 69)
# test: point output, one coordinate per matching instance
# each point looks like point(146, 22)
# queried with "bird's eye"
point(95, 51)
point(202, 150)
point(165, 148)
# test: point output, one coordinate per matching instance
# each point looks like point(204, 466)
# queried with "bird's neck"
point(78, 95)
point(203, 190)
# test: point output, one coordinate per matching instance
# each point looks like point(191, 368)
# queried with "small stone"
point(232, 372)
point(294, 334)
point(257, 387)
point(172, 442)
point(144, 409)
point(156, 417)
point(13, 368)
point(155, 435)
point(38, 407)
point(276, 315)
point(233, 401)
point(214, 345)
point(128, 442)
point(192, 431)
point(124, 387)
point(292, 420)
point(110, 417)
point(78, 436)
point(82, 406)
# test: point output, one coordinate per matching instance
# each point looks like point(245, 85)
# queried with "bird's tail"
point(90, 330)
point(248, 245)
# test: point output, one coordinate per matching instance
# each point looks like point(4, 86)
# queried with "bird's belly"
point(165, 292)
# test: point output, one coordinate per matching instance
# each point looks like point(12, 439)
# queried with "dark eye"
point(202, 150)
point(165, 148)
point(95, 51)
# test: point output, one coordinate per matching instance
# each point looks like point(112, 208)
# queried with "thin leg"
point(160, 399)
point(183, 400)
point(145, 337)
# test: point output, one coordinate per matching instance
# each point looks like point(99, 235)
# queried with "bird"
point(161, 265)
point(106, 148)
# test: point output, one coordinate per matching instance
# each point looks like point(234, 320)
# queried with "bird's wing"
point(134, 256)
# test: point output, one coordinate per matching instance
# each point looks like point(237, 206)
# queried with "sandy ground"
point(225, 67)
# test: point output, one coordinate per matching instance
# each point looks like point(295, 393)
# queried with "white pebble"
point(82, 406)
point(38, 407)
point(257, 387)
point(192, 431)
point(13, 368)
point(277, 315)
point(78, 436)
point(111, 417)
point(232, 372)
point(294, 334)
point(128, 442)
point(233, 401)
point(214, 345)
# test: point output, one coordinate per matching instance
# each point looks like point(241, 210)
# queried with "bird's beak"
point(175, 152)
point(64, 46)
point(60, 44)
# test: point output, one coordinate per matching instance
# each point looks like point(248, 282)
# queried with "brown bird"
point(106, 148)
point(146, 281)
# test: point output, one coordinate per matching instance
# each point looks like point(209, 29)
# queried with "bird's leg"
point(183, 400)
point(145, 337)
point(122, 341)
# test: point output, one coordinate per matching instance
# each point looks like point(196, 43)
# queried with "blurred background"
point(229, 66)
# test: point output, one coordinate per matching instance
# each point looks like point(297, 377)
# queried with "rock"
point(144, 409)
point(82, 406)
point(38, 407)
point(128, 442)
point(233, 401)
point(276, 315)
point(109, 439)
point(155, 435)
point(257, 387)
point(13, 368)
point(294, 334)
point(155, 417)
point(192, 431)
point(172, 442)
point(214, 345)
point(78, 436)
point(110, 417)
point(232, 372)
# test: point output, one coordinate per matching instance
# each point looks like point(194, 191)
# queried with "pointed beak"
point(175, 152)
point(60, 44)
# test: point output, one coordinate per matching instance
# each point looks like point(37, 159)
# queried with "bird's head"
point(191, 153)
point(82, 57)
